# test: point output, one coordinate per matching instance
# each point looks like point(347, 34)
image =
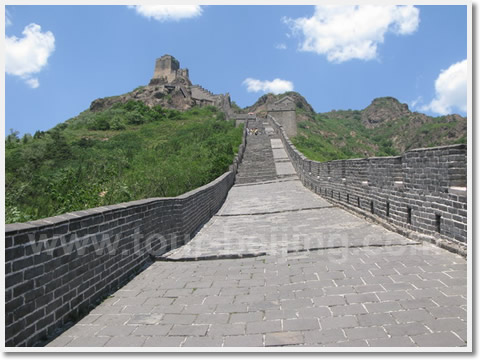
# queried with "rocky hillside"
point(150, 96)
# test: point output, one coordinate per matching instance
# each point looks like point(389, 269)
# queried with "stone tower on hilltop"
point(167, 71)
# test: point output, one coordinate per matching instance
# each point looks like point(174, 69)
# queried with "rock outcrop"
point(170, 87)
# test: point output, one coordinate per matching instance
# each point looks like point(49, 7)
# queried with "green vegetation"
point(342, 135)
point(125, 153)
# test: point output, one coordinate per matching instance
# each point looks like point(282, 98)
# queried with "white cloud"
point(450, 90)
point(415, 102)
point(353, 32)
point(28, 55)
point(32, 82)
point(168, 12)
point(277, 86)
point(281, 46)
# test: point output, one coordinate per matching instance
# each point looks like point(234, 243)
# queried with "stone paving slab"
point(279, 154)
point(296, 288)
point(276, 144)
point(285, 168)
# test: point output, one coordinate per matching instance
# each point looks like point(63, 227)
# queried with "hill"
point(386, 127)
point(125, 152)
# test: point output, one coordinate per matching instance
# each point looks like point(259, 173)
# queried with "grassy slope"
point(153, 153)
point(341, 135)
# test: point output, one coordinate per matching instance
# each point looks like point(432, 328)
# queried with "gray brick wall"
point(57, 269)
point(421, 194)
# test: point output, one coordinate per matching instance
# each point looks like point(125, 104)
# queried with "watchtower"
point(167, 70)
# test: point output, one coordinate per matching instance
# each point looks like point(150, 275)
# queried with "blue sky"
point(60, 58)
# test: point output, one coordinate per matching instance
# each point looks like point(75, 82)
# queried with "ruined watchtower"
point(167, 71)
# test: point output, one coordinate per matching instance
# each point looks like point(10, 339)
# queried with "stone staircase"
point(258, 164)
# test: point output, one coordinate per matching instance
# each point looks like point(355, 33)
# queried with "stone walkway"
point(309, 274)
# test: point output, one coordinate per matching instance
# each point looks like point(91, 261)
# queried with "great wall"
point(272, 204)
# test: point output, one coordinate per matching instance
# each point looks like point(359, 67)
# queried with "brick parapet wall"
point(57, 269)
point(420, 194)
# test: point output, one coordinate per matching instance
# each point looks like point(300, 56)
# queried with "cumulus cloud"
point(277, 86)
point(281, 46)
point(28, 55)
point(344, 33)
point(167, 12)
point(450, 90)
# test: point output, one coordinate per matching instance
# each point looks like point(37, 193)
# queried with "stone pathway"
point(280, 266)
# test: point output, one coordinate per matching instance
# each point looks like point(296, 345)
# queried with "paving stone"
point(368, 288)
point(198, 309)
point(372, 332)
point(246, 317)
point(295, 304)
point(416, 315)
point(422, 303)
point(116, 330)
point(164, 341)
point(178, 292)
point(394, 295)
point(361, 298)
point(383, 307)
point(168, 309)
point(438, 340)
point(197, 341)
point(449, 300)
point(244, 340)
point(324, 336)
point(354, 309)
point(150, 319)
point(126, 341)
point(226, 329)
point(446, 325)
point(329, 300)
point(88, 341)
point(284, 338)
point(395, 341)
point(184, 319)
point(339, 322)
point(350, 343)
point(375, 319)
point(300, 324)
point(215, 300)
point(398, 286)
point(231, 308)
point(60, 341)
point(274, 314)
point(212, 319)
point(83, 330)
point(261, 327)
point(188, 330)
point(409, 329)
point(314, 312)
point(443, 312)
point(152, 330)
